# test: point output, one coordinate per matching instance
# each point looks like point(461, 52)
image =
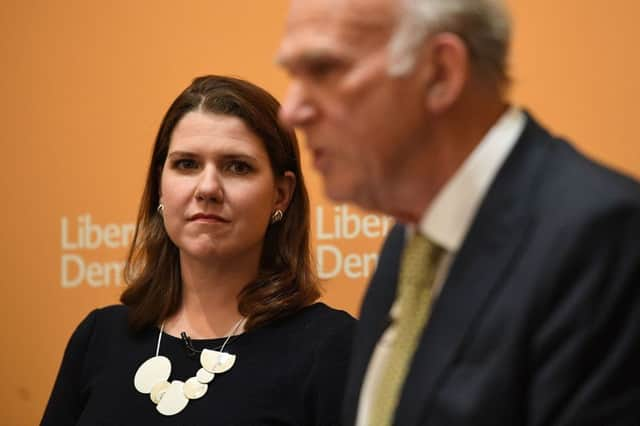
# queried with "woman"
point(218, 325)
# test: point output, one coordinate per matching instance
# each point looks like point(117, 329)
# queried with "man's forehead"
point(321, 24)
point(356, 10)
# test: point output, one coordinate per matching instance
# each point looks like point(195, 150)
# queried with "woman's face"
point(218, 188)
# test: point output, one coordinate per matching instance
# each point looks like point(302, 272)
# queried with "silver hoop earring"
point(277, 216)
point(160, 208)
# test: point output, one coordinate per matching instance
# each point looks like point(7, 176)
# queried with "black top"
point(290, 372)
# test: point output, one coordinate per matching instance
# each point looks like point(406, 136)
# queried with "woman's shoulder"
point(103, 321)
point(97, 328)
point(112, 314)
point(321, 312)
point(320, 321)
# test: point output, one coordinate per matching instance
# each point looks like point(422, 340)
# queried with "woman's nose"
point(209, 187)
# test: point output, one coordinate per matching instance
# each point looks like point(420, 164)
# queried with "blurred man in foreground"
point(509, 292)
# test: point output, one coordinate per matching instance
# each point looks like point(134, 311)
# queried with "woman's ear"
point(285, 185)
point(447, 64)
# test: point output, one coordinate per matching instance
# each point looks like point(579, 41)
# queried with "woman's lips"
point(207, 218)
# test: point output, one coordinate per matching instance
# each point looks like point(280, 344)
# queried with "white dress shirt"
point(446, 223)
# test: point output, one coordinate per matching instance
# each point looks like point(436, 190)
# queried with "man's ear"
point(446, 71)
point(285, 185)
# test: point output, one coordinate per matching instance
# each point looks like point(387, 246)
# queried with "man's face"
point(359, 123)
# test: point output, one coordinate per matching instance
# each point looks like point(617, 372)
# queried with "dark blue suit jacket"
point(538, 322)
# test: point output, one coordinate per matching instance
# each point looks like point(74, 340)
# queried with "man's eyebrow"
point(307, 56)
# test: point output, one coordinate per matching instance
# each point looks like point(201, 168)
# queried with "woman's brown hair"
point(285, 281)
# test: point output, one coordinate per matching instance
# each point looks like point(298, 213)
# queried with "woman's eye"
point(185, 164)
point(238, 167)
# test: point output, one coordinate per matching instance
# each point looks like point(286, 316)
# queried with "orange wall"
point(84, 86)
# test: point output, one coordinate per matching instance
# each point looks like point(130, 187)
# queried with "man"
point(523, 307)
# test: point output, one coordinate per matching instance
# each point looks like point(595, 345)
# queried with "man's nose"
point(209, 186)
point(297, 109)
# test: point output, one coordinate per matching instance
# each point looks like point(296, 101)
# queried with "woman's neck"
point(209, 306)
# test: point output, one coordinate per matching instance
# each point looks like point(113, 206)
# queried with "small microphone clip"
point(188, 345)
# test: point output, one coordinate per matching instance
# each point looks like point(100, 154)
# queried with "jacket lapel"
point(478, 269)
point(374, 318)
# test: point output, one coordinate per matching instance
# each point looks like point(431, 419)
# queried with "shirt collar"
point(449, 216)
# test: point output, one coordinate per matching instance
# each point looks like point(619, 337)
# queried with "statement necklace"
point(171, 398)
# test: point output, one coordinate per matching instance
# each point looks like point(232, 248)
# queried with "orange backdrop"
point(84, 85)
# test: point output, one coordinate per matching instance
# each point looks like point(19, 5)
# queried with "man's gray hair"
point(483, 25)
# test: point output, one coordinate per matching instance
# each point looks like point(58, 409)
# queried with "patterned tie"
point(409, 317)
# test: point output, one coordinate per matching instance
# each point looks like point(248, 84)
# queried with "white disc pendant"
point(193, 389)
point(204, 376)
point(152, 371)
point(158, 390)
point(216, 362)
point(226, 361)
point(173, 401)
